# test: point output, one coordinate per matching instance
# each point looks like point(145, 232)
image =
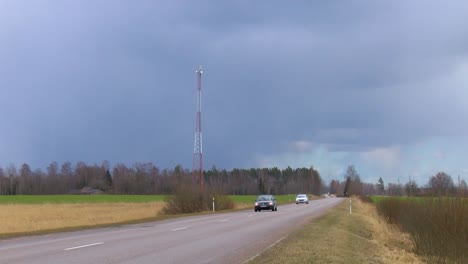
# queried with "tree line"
point(147, 178)
point(440, 184)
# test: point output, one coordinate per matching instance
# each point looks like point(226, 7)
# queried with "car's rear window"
point(264, 198)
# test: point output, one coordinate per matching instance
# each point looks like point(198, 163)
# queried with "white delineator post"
point(350, 206)
point(213, 205)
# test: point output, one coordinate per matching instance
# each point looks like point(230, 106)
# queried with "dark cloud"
point(115, 80)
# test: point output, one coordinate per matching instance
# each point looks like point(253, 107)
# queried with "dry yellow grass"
point(394, 246)
point(26, 218)
point(238, 206)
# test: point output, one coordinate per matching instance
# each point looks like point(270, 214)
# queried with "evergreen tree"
point(108, 179)
point(381, 186)
point(346, 188)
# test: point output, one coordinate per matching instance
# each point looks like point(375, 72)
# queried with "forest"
point(147, 178)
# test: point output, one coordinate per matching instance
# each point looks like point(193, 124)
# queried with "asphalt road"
point(233, 237)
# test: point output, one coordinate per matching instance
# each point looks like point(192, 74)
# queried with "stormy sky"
point(381, 85)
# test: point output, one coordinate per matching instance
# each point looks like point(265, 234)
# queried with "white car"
point(302, 198)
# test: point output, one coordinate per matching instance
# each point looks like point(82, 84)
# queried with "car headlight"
point(256, 203)
point(271, 203)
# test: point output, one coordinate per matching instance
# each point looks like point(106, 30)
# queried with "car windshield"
point(301, 196)
point(264, 198)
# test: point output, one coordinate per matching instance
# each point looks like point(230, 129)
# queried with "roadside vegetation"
point(438, 226)
point(341, 237)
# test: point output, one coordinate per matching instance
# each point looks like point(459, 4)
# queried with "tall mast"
point(197, 171)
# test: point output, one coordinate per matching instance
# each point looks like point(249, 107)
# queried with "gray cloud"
point(95, 80)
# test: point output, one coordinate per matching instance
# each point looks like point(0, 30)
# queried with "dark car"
point(266, 202)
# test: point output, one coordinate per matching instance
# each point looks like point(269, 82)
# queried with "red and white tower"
point(197, 171)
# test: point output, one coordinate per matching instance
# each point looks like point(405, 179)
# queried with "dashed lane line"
point(84, 246)
point(178, 229)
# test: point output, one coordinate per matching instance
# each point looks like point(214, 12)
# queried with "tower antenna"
point(197, 171)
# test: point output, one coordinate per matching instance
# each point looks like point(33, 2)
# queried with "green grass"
point(102, 198)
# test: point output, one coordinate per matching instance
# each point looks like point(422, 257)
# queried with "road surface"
point(234, 237)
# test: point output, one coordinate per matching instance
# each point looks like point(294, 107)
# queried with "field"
point(73, 199)
point(340, 237)
point(34, 214)
point(22, 219)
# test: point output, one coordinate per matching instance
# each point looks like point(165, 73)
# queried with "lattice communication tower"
point(197, 171)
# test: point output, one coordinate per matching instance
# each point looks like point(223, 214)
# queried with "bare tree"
point(353, 184)
point(394, 189)
point(369, 189)
point(411, 188)
point(67, 177)
point(54, 185)
point(441, 184)
point(25, 181)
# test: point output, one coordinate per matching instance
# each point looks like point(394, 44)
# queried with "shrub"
point(190, 199)
point(222, 202)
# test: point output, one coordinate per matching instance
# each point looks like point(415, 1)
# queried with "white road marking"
point(225, 220)
point(83, 246)
point(249, 215)
point(178, 229)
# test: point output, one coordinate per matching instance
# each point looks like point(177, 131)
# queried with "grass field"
point(73, 199)
point(340, 237)
point(32, 214)
point(23, 219)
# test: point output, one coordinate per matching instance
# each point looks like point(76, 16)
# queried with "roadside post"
point(350, 205)
point(213, 205)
